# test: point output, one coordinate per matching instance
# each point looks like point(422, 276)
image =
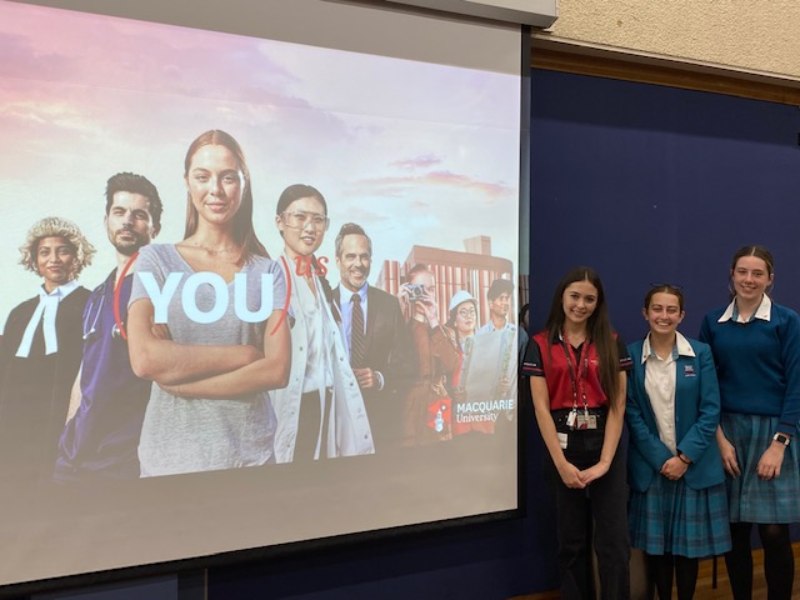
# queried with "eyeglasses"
point(298, 219)
point(467, 313)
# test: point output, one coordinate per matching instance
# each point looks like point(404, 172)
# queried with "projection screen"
point(315, 337)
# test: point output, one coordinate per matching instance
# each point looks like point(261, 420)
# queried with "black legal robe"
point(35, 390)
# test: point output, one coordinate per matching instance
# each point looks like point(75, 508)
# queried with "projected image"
point(221, 252)
point(223, 394)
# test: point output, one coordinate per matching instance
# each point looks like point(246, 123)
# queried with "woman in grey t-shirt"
point(202, 327)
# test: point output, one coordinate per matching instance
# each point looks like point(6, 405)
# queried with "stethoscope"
point(93, 312)
point(117, 331)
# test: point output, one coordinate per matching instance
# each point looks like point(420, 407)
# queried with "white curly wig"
point(56, 227)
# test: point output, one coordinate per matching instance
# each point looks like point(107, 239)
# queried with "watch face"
point(779, 437)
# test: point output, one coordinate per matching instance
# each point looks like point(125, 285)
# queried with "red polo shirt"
point(550, 361)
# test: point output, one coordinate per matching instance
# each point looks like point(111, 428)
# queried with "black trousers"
point(603, 502)
point(308, 427)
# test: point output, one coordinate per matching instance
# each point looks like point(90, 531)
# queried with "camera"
point(416, 291)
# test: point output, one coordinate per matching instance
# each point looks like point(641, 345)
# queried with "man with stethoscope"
point(108, 401)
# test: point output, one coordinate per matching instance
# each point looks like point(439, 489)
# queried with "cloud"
point(21, 60)
point(418, 162)
point(52, 114)
point(143, 82)
point(399, 185)
point(144, 58)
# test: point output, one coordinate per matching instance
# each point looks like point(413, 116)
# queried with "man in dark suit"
point(374, 335)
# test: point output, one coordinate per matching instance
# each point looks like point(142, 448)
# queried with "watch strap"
point(782, 438)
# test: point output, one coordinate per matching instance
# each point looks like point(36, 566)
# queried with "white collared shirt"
point(46, 311)
point(763, 312)
point(659, 382)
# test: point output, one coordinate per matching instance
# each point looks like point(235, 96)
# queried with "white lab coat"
point(349, 430)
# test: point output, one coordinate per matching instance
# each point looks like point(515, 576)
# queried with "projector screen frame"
point(400, 534)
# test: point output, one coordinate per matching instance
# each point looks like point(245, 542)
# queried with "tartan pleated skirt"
point(750, 499)
point(672, 518)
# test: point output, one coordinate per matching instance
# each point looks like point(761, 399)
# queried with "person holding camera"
point(427, 405)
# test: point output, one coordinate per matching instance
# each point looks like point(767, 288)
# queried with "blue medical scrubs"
point(101, 440)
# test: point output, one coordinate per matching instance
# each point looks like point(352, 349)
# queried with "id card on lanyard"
point(578, 370)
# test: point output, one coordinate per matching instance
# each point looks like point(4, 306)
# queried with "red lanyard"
point(577, 379)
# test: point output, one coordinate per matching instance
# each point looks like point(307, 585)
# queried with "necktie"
point(357, 341)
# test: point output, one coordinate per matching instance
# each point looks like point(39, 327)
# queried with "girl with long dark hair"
point(576, 367)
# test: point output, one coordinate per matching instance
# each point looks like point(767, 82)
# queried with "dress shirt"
point(763, 312)
point(46, 311)
point(659, 382)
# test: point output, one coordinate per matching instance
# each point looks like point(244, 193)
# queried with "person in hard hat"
point(461, 326)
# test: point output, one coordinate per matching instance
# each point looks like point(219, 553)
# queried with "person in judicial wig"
point(108, 400)
point(374, 335)
point(41, 352)
point(678, 509)
point(576, 367)
point(321, 412)
point(756, 347)
point(212, 361)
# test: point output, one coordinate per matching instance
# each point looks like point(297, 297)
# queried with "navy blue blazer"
point(697, 409)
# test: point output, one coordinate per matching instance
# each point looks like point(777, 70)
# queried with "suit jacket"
point(387, 351)
point(697, 409)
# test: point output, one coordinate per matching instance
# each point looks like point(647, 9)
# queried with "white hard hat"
point(460, 297)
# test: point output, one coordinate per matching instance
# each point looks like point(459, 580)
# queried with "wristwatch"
point(783, 439)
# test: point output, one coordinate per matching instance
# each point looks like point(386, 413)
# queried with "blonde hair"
point(56, 227)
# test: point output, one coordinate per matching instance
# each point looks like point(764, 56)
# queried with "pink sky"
point(83, 97)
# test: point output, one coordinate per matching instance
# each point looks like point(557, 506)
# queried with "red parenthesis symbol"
point(117, 289)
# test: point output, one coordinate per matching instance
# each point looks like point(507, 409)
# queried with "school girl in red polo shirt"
point(576, 368)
